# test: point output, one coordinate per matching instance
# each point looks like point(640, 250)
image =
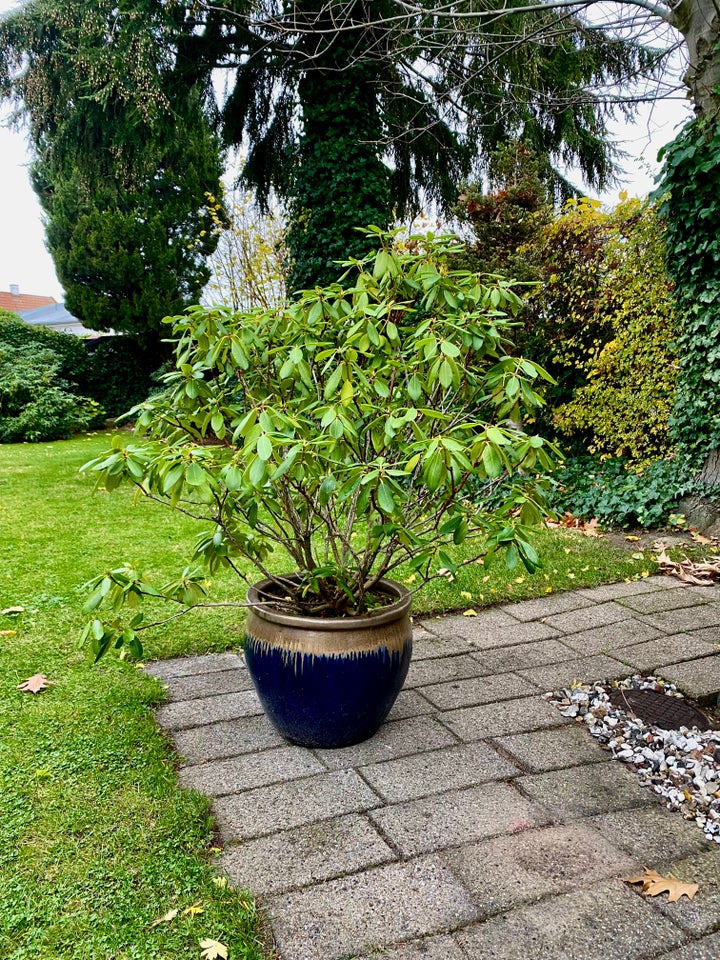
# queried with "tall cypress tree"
point(125, 155)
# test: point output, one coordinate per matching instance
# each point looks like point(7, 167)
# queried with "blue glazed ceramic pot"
point(328, 682)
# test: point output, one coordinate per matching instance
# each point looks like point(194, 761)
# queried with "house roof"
point(18, 302)
point(56, 317)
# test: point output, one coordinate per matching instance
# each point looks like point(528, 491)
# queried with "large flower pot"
point(328, 682)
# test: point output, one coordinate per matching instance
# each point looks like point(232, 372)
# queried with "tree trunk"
point(699, 23)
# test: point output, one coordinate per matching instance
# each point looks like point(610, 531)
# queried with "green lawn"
point(96, 839)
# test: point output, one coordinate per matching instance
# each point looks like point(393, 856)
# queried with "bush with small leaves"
point(35, 403)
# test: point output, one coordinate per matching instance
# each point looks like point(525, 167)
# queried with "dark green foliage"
point(340, 181)
point(124, 156)
point(120, 374)
point(35, 403)
point(614, 493)
point(70, 351)
point(114, 372)
point(128, 258)
point(432, 92)
point(691, 179)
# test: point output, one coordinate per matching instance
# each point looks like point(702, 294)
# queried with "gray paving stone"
point(189, 666)
point(490, 619)
point(708, 948)
point(685, 621)
point(546, 606)
point(423, 672)
point(607, 638)
point(429, 645)
point(604, 921)
point(710, 634)
point(509, 871)
point(409, 704)
point(426, 773)
point(522, 656)
point(493, 628)
point(587, 669)
point(586, 791)
point(305, 855)
point(613, 591)
point(397, 739)
point(599, 615)
point(664, 650)
point(195, 713)
point(653, 834)
point(699, 679)
point(432, 948)
point(291, 804)
point(371, 909)
point(476, 690)
point(702, 914)
point(209, 684)
point(553, 749)
point(220, 777)
point(500, 719)
point(229, 738)
point(670, 599)
point(456, 817)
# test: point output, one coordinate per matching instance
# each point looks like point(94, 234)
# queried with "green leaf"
point(232, 476)
point(257, 472)
point(446, 374)
point(434, 472)
point(333, 382)
point(414, 387)
point(491, 461)
point(195, 475)
point(449, 349)
point(327, 488)
point(264, 447)
point(287, 463)
point(347, 393)
point(385, 499)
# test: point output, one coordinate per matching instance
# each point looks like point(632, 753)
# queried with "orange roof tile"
point(17, 302)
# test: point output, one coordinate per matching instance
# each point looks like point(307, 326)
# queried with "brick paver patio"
point(478, 823)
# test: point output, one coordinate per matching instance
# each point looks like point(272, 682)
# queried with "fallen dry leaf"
point(589, 528)
point(35, 684)
point(632, 539)
point(170, 915)
point(194, 910)
point(702, 574)
point(7, 633)
point(470, 613)
point(653, 884)
point(212, 949)
point(699, 538)
point(11, 610)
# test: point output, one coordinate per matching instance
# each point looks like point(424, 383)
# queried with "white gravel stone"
point(682, 766)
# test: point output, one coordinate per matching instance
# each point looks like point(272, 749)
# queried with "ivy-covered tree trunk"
point(340, 182)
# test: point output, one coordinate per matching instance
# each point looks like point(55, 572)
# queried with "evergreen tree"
point(125, 155)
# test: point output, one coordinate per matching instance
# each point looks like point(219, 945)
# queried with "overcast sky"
point(25, 261)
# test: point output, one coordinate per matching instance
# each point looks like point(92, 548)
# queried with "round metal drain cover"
point(669, 713)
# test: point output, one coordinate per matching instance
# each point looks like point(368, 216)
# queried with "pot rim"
point(386, 614)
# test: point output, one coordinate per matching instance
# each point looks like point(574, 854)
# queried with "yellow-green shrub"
point(624, 407)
